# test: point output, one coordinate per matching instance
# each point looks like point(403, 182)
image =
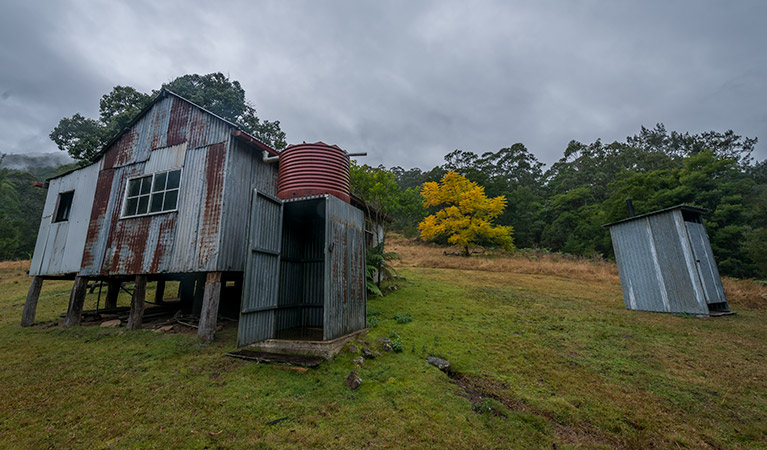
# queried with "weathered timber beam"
point(30, 307)
point(210, 302)
point(76, 300)
point(137, 304)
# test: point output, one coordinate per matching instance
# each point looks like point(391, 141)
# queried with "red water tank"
point(312, 169)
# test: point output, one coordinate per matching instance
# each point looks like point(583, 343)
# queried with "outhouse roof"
point(683, 207)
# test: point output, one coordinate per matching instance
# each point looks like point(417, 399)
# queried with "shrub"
point(403, 318)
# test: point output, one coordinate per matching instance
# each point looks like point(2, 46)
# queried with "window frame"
point(54, 218)
point(154, 175)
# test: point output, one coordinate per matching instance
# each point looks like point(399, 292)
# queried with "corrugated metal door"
point(709, 275)
point(344, 269)
point(262, 270)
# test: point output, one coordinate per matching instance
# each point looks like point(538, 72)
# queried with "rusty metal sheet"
point(345, 302)
point(211, 206)
point(179, 121)
point(245, 171)
point(184, 241)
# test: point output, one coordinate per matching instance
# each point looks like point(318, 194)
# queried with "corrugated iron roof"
point(683, 207)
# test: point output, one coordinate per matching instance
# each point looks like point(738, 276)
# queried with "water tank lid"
point(318, 143)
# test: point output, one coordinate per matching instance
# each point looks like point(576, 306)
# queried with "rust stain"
point(100, 205)
point(164, 246)
point(344, 272)
point(124, 148)
point(158, 131)
point(198, 129)
point(115, 225)
point(129, 245)
point(211, 208)
point(179, 122)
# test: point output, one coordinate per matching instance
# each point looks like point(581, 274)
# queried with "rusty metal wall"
point(656, 264)
point(345, 294)
point(59, 247)
point(245, 171)
point(172, 131)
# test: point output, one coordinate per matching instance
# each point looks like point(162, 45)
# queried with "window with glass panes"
point(152, 194)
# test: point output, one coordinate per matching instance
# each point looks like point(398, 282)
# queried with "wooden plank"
point(30, 307)
point(76, 300)
point(137, 304)
point(297, 369)
point(209, 312)
point(266, 357)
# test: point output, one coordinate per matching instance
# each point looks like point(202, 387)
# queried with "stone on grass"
point(353, 381)
point(353, 348)
point(367, 353)
point(385, 343)
point(359, 361)
point(110, 324)
point(439, 363)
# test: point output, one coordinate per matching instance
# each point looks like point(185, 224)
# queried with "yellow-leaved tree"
point(467, 215)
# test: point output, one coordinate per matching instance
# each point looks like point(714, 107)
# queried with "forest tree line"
point(559, 209)
point(563, 208)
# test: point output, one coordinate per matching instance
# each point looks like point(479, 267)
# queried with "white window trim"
point(153, 175)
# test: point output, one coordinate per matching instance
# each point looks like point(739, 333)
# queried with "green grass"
point(560, 358)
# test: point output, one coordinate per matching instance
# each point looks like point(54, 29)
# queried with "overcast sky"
point(406, 81)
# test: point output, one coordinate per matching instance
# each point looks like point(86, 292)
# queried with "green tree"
point(9, 216)
point(83, 138)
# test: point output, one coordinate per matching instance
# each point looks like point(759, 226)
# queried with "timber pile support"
point(76, 300)
point(210, 302)
point(30, 307)
point(113, 290)
point(137, 304)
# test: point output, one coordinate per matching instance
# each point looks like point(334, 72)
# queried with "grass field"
point(543, 350)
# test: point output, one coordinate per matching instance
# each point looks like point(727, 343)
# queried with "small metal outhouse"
point(666, 264)
point(305, 270)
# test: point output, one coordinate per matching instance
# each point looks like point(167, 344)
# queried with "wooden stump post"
point(76, 300)
point(159, 293)
point(137, 304)
point(209, 313)
point(30, 307)
point(113, 290)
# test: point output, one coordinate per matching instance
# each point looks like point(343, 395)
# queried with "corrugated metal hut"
point(168, 199)
point(666, 264)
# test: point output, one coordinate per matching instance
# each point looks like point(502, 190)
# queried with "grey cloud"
point(406, 81)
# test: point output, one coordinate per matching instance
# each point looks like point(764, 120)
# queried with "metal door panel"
point(262, 270)
point(709, 275)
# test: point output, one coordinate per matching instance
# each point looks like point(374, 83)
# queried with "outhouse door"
point(704, 258)
point(262, 270)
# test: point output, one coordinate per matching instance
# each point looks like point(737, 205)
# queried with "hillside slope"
point(542, 350)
